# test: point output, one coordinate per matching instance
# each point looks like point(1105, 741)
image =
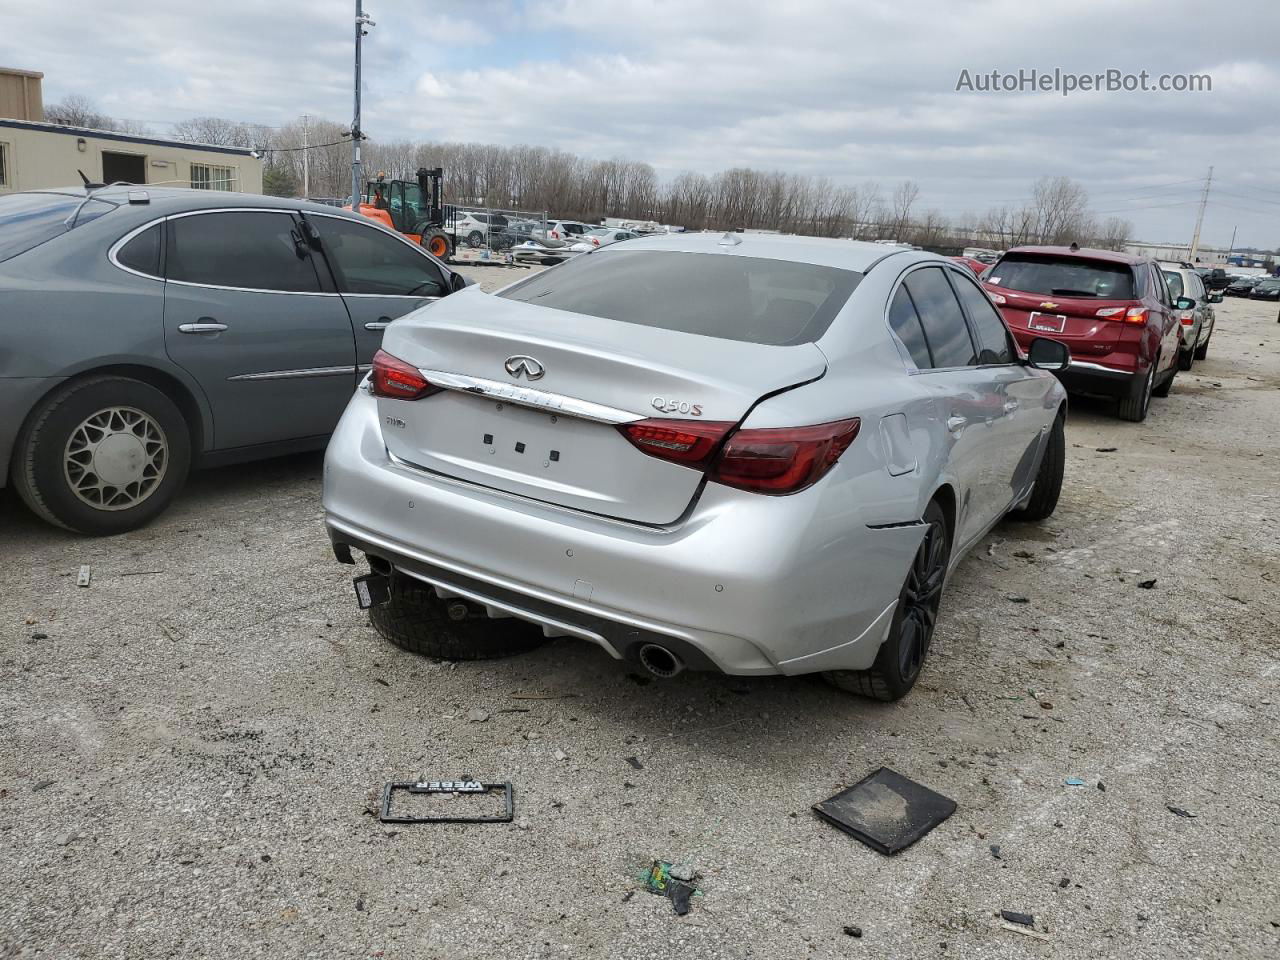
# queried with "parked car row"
point(1130, 322)
point(755, 454)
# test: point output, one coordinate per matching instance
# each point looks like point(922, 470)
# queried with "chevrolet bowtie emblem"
point(1048, 305)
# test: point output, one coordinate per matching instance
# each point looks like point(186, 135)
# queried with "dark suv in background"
point(1113, 310)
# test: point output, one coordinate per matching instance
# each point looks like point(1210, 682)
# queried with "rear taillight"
point(1188, 319)
point(555, 234)
point(392, 377)
point(1137, 315)
point(690, 442)
point(782, 460)
point(1109, 311)
point(595, 241)
point(997, 298)
point(776, 460)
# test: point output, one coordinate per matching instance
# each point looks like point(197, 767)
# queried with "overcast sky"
point(859, 92)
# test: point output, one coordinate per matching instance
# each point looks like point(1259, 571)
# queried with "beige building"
point(35, 155)
point(20, 95)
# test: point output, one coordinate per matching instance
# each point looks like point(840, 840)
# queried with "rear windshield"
point(750, 299)
point(29, 219)
point(1064, 277)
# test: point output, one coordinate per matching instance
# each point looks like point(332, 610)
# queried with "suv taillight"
point(394, 378)
point(777, 460)
point(1136, 315)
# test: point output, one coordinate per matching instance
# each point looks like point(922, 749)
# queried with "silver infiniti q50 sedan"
point(753, 454)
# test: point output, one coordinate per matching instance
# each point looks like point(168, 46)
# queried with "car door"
point(1166, 324)
point(247, 316)
point(1020, 425)
point(380, 276)
point(965, 403)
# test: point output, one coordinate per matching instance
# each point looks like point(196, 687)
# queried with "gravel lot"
point(192, 745)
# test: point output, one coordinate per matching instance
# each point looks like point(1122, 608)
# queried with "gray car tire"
point(1048, 486)
point(417, 620)
point(40, 470)
point(1202, 351)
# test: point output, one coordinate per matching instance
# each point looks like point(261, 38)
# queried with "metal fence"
point(490, 234)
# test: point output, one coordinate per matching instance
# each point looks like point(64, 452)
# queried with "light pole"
point(362, 21)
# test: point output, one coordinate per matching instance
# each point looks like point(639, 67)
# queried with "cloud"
point(859, 93)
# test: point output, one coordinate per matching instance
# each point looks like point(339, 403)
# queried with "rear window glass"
point(1064, 277)
point(29, 219)
point(750, 299)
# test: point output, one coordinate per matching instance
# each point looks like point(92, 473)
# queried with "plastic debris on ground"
point(886, 811)
point(1073, 782)
point(674, 881)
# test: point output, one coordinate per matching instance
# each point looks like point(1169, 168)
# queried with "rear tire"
point(1202, 351)
point(102, 456)
point(1135, 405)
point(417, 620)
point(901, 657)
point(1048, 485)
point(1186, 359)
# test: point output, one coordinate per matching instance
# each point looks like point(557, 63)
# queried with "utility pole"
point(1232, 249)
point(362, 20)
point(306, 161)
point(1204, 202)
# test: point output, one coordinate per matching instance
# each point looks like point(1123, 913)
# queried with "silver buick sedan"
point(745, 453)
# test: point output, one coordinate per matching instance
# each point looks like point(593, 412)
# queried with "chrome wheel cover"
point(116, 458)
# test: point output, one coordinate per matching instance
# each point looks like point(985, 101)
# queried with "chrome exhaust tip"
point(660, 661)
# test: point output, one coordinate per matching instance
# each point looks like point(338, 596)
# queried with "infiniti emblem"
point(527, 367)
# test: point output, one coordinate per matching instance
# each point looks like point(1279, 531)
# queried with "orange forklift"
point(412, 209)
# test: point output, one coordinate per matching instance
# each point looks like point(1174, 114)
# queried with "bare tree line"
point(566, 185)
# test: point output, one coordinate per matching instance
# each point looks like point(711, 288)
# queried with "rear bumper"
point(744, 585)
point(1093, 378)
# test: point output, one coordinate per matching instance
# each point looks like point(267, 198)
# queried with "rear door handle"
point(204, 326)
point(379, 324)
point(956, 423)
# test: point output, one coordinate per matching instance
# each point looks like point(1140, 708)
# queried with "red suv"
point(1113, 310)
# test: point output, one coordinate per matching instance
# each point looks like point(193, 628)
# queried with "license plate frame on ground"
point(465, 786)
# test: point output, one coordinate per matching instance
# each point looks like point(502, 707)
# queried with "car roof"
point(1084, 253)
point(823, 251)
point(162, 201)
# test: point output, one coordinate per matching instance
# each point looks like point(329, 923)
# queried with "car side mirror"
point(1046, 354)
point(458, 282)
point(1184, 303)
point(1215, 298)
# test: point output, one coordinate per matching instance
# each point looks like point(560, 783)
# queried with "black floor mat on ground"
point(886, 811)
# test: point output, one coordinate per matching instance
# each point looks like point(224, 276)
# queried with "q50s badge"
point(677, 406)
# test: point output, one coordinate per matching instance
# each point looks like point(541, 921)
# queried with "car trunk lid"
point(555, 438)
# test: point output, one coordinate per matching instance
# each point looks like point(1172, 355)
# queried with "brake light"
point(555, 234)
point(784, 460)
point(595, 241)
point(1188, 319)
point(394, 378)
point(996, 298)
point(1136, 315)
point(1109, 311)
point(689, 442)
point(774, 461)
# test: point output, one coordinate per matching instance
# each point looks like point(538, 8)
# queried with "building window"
point(4, 165)
point(206, 177)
